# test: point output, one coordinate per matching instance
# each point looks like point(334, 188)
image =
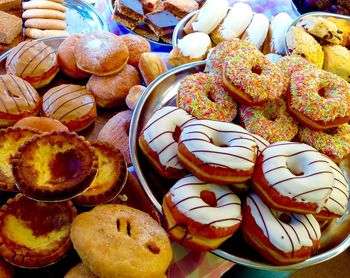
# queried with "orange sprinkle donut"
point(203, 97)
point(271, 121)
point(335, 143)
point(252, 79)
point(319, 99)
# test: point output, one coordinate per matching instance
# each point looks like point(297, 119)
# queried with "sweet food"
point(79, 271)
point(151, 66)
point(133, 96)
point(161, 22)
point(136, 46)
point(132, 9)
point(41, 123)
point(8, 35)
point(336, 59)
point(257, 30)
point(180, 8)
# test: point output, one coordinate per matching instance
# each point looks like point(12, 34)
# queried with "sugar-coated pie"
point(54, 166)
point(10, 140)
point(110, 178)
point(35, 234)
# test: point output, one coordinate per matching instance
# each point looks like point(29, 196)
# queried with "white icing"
point(314, 179)
point(257, 30)
point(240, 153)
point(210, 15)
point(279, 25)
point(194, 45)
point(261, 142)
point(236, 21)
point(228, 208)
point(287, 237)
point(158, 133)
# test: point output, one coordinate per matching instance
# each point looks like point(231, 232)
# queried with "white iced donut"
point(257, 30)
point(194, 50)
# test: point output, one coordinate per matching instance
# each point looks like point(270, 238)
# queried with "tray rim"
point(133, 143)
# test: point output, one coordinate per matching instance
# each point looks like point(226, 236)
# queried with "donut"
point(271, 121)
point(281, 238)
point(334, 142)
point(66, 58)
point(41, 123)
point(201, 215)
point(116, 132)
point(158, 140)
point(293, 177)
point(151, 66)
point(133, 96)
point(257, 30)
point(101, 53)
point(260, 142)
point(218, 152)
point(252, 79)
point(137, 45)
point(319, 99)
point(202, 95)
point(111, 91)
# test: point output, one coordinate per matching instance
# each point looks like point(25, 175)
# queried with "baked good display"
point(136, 46)
point(56, 165)
point(33, 61)
point(72, 105)
point(151, 66)
point(133, 96)
point(41, 123)
point(257, 30)
point(201, 215)
point(110, 178)
point(101, 53)
point(35, 234)
point(18, 98)
point(66, 58)
point(111, 91)
point(336, 57)
point(131, 242)
point(161, 22)
point(10, 140)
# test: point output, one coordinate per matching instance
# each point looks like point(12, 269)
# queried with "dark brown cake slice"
point(131, 8)
point(162, 22)
point(144, 30)
point(124, 20)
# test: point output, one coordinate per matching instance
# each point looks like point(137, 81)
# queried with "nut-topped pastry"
point(54, 166)
point(18, 98)
point(35, 234)
point(34, 61)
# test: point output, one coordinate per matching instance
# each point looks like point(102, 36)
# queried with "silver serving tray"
point(162, 92)
point(321, 14)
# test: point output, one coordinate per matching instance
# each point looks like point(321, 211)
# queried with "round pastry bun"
point(133, 96)
point(136, 46)
point(41, 123)
point(101, 53)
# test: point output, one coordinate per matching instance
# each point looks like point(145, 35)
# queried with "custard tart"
point(35, 234)
point(54, 166)
point(10, 140)
point(110, 178)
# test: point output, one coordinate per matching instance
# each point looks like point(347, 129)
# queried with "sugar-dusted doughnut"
point(137, 45)
point(158, 140)
point(201, 215)
point(293, 177)
point(282, 238)
point(218, 152)
point(271, 121)
point(319, 99)
point(202, 95)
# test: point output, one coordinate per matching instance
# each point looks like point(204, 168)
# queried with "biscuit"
point(46, 24)
point(43, 5)
point(39, 34)
point(43, 13)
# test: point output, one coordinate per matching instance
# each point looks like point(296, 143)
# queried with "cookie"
point(39, 34)
point(43, 13)
point(46, 24)
point(43, 5)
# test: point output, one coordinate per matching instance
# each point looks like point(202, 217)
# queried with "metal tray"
point(162, 92)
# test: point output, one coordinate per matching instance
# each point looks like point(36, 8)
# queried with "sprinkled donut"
point(158, 140)
point(252, 79)
point(293, 177)
point(202, 96)
point(282, 238)
point(334, 142)
point(201, 215)
point(217, 152)
point(319, 99)
point(271, 121)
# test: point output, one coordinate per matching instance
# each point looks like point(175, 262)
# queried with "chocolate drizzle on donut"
point(150, 124)
point(32, 59)
point(302, 177)
point(10, 94)
point(21, 90)
point(75, 108)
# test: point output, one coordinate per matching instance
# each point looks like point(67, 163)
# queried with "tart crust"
point(110, 178)
point(35, 234)
point(54, 166)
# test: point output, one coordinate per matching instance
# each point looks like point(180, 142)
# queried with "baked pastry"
point(79, 271)
point(161, 22)
point(151, 66)
point(33, 61)
point(72, 105)
point(344, 26)
point(120, 241)
point(111, 91)
point(54, 166)
point(101, 53)
point(131, 9)
point(180, 8)
point(257, 30)
point(10, 140)
point(8, 35)
point(19, 99)
point(66, 58)
point(6, 270)
point(41, 123)
point(144, 30)
point(133, 96)
point(110, 178)
point(136, 46)
point(124, 20)
point(35, 234)
point(186, 51)
point(337, 60)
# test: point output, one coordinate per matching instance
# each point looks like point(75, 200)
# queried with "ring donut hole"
point(271, 114)
point(285, 217)
point(294, 167)
point(219, 143)
point(256, 69)
point(331, 131)
point(211, 93)
point(176, 134)
point(208, 197)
